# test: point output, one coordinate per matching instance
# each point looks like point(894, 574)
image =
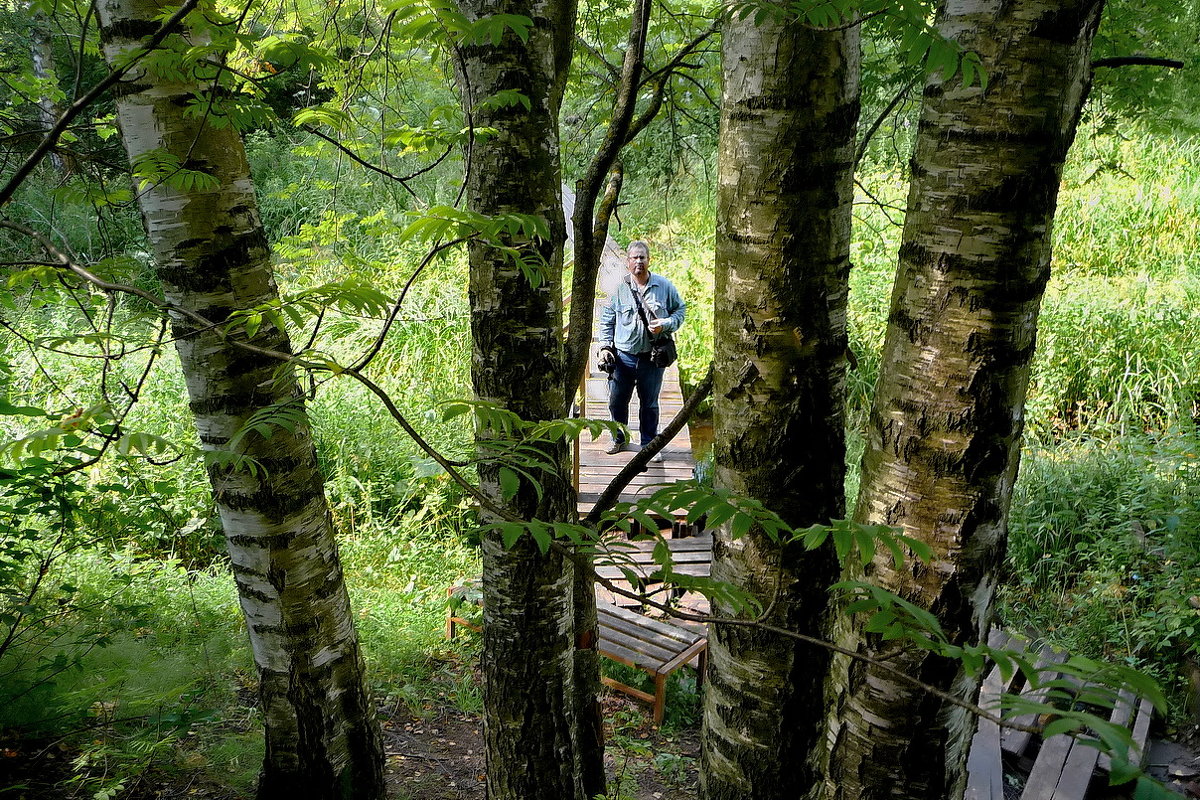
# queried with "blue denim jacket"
point(620, 324)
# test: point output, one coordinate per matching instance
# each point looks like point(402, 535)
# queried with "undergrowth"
point(196, 710)
point(1102, 554)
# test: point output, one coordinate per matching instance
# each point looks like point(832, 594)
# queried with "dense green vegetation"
point(118, 564)
point(1102, 552)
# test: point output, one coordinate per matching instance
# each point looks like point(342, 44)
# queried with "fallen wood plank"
point(985, 767)
point(1015, 741)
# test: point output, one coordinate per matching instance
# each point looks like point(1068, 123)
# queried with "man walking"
point(626, 341)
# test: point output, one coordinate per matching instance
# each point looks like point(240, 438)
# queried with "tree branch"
point(591, 50)
point(637, 464)
point(1137, 61)
point(402, 180)
point(77, 108)
point(883, 115)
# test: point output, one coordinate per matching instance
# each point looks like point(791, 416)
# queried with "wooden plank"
point(646, 574)
point(649, 656)
point(638, 634)
point(985, 766)
point(621, 654)
point(1016, 741)
point(1084, 759)
point(1141, 730)
point(1076, 772)
point(684, 657)
point(684, 637)
point(603, 595)
point(1043, 778)
point(646, 558)
point(645, 697)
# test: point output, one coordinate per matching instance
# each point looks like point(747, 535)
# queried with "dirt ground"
point(438, 756)
point(441, 758)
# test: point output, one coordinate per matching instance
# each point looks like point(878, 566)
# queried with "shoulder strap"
point(638, 301)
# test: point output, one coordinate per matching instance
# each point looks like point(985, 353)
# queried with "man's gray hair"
point(638, 244)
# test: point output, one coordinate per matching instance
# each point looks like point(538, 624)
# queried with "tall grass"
point(1116, 344)
point(1103, 550)
point(1105, 513)
point(195, 709)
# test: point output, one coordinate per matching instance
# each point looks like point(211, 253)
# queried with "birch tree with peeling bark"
point(212, 258)
point(945, 428)
point(788, 119)
point(542, 734)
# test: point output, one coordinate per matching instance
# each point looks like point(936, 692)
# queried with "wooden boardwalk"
point(1010, 763)
point(597, 468)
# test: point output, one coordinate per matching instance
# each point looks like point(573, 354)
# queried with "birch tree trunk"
point(944, 435)
point(540, 666)
point(42, 55)
point(212, 258)
point(788, 117)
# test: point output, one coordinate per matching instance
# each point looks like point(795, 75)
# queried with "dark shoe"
point(616, 447)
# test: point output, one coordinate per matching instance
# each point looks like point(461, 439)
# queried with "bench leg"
point(660, 697)
point(451, 628)
point(701, 666)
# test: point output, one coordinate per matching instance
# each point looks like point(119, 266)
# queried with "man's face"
point(638, 263)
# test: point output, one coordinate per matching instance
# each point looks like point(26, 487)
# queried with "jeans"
point(634, 371)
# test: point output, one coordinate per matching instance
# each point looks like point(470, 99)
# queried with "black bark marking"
point(1030, 189)
point(277, 577)
point(916, 328)
point(276, 503)
point(1065, 25)
point(209, 271)
point(275, 541)
point(128, 29)
point(235, 403)
point(123, 89)
point(246, 590)
point(1034, 138)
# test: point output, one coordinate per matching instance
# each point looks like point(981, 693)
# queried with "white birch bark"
point(542, 732)
point(944, 434)
point(42, 57)
point(212, 258)
point(789, 111)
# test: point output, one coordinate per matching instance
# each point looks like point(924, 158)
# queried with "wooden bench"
point(654, 646)
point(1059, 768)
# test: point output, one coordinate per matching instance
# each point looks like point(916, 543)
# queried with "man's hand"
point(656, 326)
point(607, 361)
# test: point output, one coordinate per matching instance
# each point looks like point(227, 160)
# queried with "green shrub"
point(1104, 549)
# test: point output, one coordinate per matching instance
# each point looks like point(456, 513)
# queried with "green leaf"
point(1059, 726)
point(510, 533)
point(843, 540)
point(506, 98)
point(510, 482)
point(865, 541)
point(814, 536)
point(8, 409)
point(541, 538)
point(253, 322)
point(740, 525)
